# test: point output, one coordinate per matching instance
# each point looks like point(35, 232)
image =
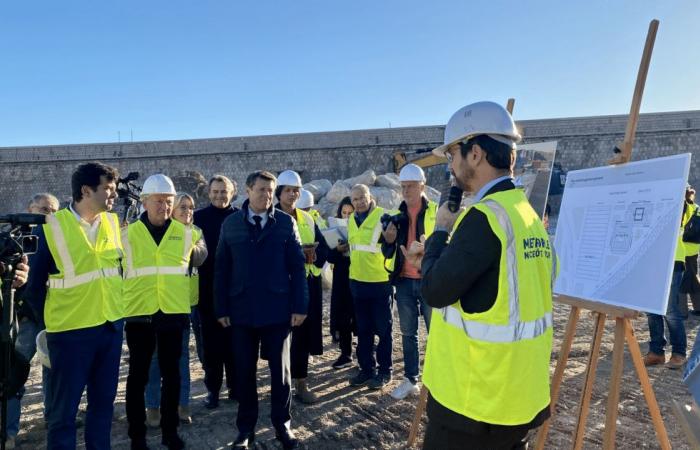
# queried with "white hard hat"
point(306, 200)
point(412, 172)
point(289, 178)
point(42, 349)
point(158, 184)
point(479, 118)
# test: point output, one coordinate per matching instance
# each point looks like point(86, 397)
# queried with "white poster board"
point(533, 171)
point(617, 232)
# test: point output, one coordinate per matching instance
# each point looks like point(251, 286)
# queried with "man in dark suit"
point(261, 292)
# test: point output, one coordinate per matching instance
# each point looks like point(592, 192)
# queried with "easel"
point(423, 397)
point(623, 327)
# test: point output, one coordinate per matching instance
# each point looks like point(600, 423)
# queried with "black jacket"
point(259, 281)
point(209, 220)
point(467, 269)
point(388, 250)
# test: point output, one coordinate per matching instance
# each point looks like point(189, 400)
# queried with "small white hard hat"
point(42, 349)
point(412, 172)
point(306, 200)
point(158, 184)
point(478, 118)
point(289, 178)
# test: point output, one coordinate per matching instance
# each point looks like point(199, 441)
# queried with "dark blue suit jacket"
point(259, 282)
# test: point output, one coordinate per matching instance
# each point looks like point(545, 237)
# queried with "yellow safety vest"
point(87, 290)
point(429, 218)
point(307, 233)
point(493, 366)
point(366, 258)
point(680, 248)
point(318, 219)
point(194, 274)
point(691, 248)
point(156, 277)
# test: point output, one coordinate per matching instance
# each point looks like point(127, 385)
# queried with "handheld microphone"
point(454, 199)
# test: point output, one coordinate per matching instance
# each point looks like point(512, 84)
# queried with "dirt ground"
point(348, 417)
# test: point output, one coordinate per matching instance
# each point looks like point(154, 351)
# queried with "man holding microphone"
point(488, 272)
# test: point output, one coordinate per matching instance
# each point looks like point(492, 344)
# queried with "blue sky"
point(79, 71)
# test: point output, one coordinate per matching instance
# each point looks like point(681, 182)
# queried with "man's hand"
point(342, 248)
point(297, 319)
point(22, 273)
point(445, 218)
point(415, 252)
point(224, 321)
point(390, 234)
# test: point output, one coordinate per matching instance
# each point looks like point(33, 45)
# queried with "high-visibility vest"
point(87, 290)
point(429, 218)
point(366, 259)
point(680, 248)
point(307, 233)
point(493, 366)
point(156, 277)
point(194, 272)
point(691, 248)
point(318, 219)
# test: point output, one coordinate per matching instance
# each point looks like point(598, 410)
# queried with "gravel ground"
point(347, 417)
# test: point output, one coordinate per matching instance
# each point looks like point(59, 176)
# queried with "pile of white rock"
point(385, 189)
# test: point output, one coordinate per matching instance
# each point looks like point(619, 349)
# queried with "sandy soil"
point(347, 417)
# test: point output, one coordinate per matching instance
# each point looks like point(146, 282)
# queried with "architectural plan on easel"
point(617, 232)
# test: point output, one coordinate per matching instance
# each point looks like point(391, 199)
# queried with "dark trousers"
point(79, 358)
point(217, 352)
point(246, 348)
point(345, 342)
point(438, 436)
point(307, 338)
point(373, 315)
point(142, 338)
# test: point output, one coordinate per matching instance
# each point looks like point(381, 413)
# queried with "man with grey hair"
point(371, 290)
point(215, 339)
point(43, 203)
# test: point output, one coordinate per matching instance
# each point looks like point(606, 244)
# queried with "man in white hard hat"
point(306, 203)
point(488, 271)
point(157, 306)
point(76, 287)
point(416, 219)
point(307, 338)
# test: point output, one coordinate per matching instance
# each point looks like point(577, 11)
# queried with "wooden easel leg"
point(420, 407)
point(636, 354)
point(615, 379)
point(569, 335)
point(589, 381)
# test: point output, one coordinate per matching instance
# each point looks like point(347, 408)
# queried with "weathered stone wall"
point(583, 142)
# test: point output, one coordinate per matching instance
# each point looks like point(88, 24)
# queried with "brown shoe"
point(654, 359)
point(676, 362)
point(303, 393)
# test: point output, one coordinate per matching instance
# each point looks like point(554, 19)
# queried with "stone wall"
point(583, 142)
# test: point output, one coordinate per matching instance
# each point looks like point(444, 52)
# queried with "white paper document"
point(617, 232)
point(333, 236)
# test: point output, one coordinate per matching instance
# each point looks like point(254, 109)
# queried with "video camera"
point(396, 219)
point(16, 240)
point(130, 195)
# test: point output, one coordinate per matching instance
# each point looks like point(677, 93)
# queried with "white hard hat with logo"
point(412, 172)
point(478, 118)
point(306, 200)
point(42, 349)
point(289, 178)
point(158, 184)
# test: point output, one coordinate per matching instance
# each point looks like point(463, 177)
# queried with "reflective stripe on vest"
point(515, 330)
point(371, 248)
point(159, 270)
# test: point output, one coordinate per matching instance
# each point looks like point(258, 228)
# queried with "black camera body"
point(18, 240)
point(129, 196)
point(396, 219)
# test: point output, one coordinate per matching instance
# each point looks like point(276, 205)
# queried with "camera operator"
point(415, 219)
point(28, 327)
point(75, 288)
point(21, 273)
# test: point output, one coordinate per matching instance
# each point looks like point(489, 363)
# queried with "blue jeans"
point(79, 358)
point(674, 319)
point(410, 304)
point(373, 317)
point(153, 386)
point(197, 331)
